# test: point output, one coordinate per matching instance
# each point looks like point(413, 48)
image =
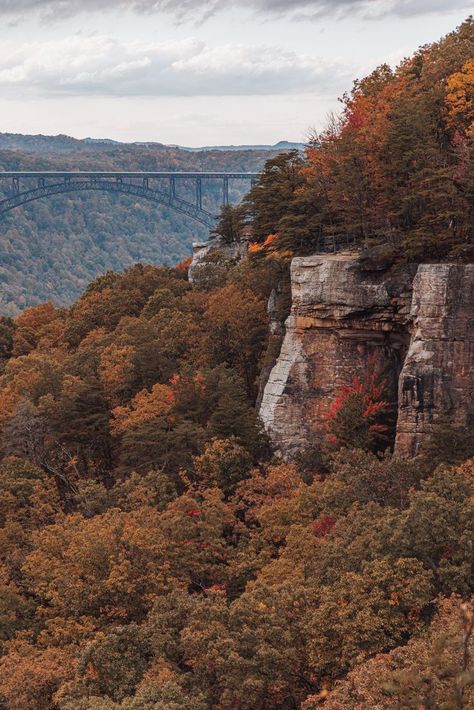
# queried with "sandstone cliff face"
point(341, 316)
point(438, 374)
point(420, 328)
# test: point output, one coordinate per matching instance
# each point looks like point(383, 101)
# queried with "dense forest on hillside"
point(52, 248)
point(394, 168)
point(154, 553)
point(154, 556)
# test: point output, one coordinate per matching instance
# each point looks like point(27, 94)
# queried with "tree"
point(108, 568)
point(387, 481)
point(447, 445)
point(230, 224)
point(114, 663)
point(367, 613)
point(355, 417)
point(459, 99)
point(268, 201)
point(429, 672)
point(224, 463)
point(237, 322)
point(7, 330)
point(30, 676)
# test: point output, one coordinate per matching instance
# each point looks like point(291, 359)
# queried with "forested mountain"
point(52, 248)
point(67, 144)
point(154, 556)
point(154, 553)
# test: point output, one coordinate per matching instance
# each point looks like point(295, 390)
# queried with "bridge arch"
point(143, 185)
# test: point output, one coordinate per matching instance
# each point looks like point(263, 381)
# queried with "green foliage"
point(114, 663)
point(224, 463)
point(271, 197)
point(230, 224)
point(7, 329)
point(447, 445)
point(366, 477)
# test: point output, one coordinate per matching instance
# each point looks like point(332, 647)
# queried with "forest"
point(394, 168)
point(154, 553)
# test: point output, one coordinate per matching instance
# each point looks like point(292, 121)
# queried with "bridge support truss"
point(163, 188)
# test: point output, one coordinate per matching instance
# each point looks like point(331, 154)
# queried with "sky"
point(199, 72)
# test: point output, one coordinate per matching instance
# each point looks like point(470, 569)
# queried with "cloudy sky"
point(209, 72)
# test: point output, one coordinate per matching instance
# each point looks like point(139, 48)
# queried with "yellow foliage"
point(460, 98)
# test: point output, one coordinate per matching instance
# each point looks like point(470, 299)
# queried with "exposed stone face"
point(438, 374)
point(277, 309)
point(341, 316)
point(212, 260)
point(418, 323)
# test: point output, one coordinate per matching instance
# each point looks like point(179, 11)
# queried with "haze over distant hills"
point(51, 249)
point(66, 144)
point(281, 146)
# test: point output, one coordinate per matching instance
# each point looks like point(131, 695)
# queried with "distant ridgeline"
point(50, 249)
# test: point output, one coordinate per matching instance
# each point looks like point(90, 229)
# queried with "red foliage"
point(364, 400)
point(194, 514)
point(323, 525)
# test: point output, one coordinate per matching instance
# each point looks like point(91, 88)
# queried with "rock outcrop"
point(419, 328)
point(438, 374)
point(341, 316)
point(213, 259)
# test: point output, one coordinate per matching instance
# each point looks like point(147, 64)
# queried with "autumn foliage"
point(394, 167)
point(154, 554)
point(355, 419)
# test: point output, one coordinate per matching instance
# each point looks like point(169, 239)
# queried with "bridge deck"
point(119, 173)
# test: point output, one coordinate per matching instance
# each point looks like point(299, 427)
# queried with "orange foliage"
point(144, 407)
point(38, 328)
point(460, 98)
point(116, 369)
point(29, 676)
point(184, 265)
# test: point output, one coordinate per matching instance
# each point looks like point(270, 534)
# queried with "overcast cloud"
point(102, 65)
point(200, 9)
point(257, 71)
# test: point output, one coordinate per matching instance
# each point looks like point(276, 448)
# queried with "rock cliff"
point(419, 327)
point(438, 373)
point(213, 259)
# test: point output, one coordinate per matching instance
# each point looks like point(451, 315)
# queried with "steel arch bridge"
point(158, 187)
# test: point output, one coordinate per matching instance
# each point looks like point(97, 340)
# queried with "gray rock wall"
point(419, 324)
point(341, 316)
point(438, 374)
point(212, 260)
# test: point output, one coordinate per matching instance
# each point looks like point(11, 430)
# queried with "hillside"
point(249, 485)
point(155, 555)
point(51, 249)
